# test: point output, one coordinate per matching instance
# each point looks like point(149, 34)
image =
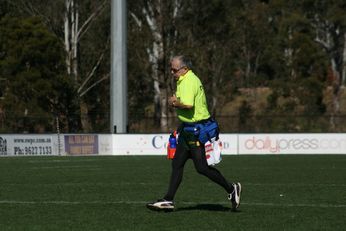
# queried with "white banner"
point(146, 144)
point(156, 144)
point(229, 144)
point(305, 143)
point(106, 145)
point(21, 145)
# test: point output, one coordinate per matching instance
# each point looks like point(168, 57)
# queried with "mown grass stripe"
point(181, 203)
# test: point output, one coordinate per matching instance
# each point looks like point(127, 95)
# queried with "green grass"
point(298, 192)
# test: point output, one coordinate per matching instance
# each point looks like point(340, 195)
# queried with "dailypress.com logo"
point(275, 145)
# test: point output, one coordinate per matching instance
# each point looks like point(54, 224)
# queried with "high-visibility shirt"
point(190, 92)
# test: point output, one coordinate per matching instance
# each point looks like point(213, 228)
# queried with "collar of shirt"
point(182, 77)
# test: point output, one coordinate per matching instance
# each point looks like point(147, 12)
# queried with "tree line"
point(55, 63)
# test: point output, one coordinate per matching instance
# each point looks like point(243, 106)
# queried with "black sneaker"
point(161, 205)
point(234, 197)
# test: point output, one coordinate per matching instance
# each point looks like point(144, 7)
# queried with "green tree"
point(83, 29)
point(204, 34)
point(36, 87)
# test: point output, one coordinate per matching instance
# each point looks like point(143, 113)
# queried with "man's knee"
point(202, 169)
point(177, 165)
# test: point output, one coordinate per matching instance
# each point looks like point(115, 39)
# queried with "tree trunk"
point(71, 46)
point(336, 96)
point(73, 33)
point(67, 36)
point(324, 37)
point(85, 120)
point(343, 77)
point(153, 14)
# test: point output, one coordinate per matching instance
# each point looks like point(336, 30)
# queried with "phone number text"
point(33, 150)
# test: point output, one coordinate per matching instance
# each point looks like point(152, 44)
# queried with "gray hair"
point(184, 61)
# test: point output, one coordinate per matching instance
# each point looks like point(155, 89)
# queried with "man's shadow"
point(206, 207)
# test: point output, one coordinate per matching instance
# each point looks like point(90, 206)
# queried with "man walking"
point(191, 107)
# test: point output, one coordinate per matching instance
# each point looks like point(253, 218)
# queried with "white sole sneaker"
point(235, 196)
point(161, 205)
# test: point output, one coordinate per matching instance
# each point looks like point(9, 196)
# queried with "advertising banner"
point(22, 145)
point(229, 144)
point(302, 143)
point(146, 144)
point(105, 144)
point(3, 146)
point(156, 144)
point(81, 144)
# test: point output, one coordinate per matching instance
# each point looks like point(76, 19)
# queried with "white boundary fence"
point(155, 144)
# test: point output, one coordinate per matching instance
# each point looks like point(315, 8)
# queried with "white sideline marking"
point(183, 202)
point(277, 205)
point(155, 183)
point(86, 167)
point(60, 160)
point(81, 184)
point(290, 184)
point(297, 205)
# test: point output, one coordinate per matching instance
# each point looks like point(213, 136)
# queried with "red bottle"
point(172, 145)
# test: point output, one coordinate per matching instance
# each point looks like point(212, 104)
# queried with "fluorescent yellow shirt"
point(190, 92)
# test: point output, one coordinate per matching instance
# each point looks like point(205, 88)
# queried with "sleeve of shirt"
point(188, 95)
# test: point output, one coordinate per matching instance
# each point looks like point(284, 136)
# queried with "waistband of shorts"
point(192, 124)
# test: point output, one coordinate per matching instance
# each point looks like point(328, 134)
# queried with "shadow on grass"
point(207, 207)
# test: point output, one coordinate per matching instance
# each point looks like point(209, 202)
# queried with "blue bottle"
point(172, 145)
point(172, 141)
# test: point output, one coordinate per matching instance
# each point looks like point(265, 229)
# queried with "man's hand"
point(172, 101)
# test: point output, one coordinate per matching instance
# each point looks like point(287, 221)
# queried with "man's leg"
point(201, 165)
point(178, 163)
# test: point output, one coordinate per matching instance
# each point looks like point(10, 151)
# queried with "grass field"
point(298, 192)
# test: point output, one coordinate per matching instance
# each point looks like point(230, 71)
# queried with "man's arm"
point(174, 102)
